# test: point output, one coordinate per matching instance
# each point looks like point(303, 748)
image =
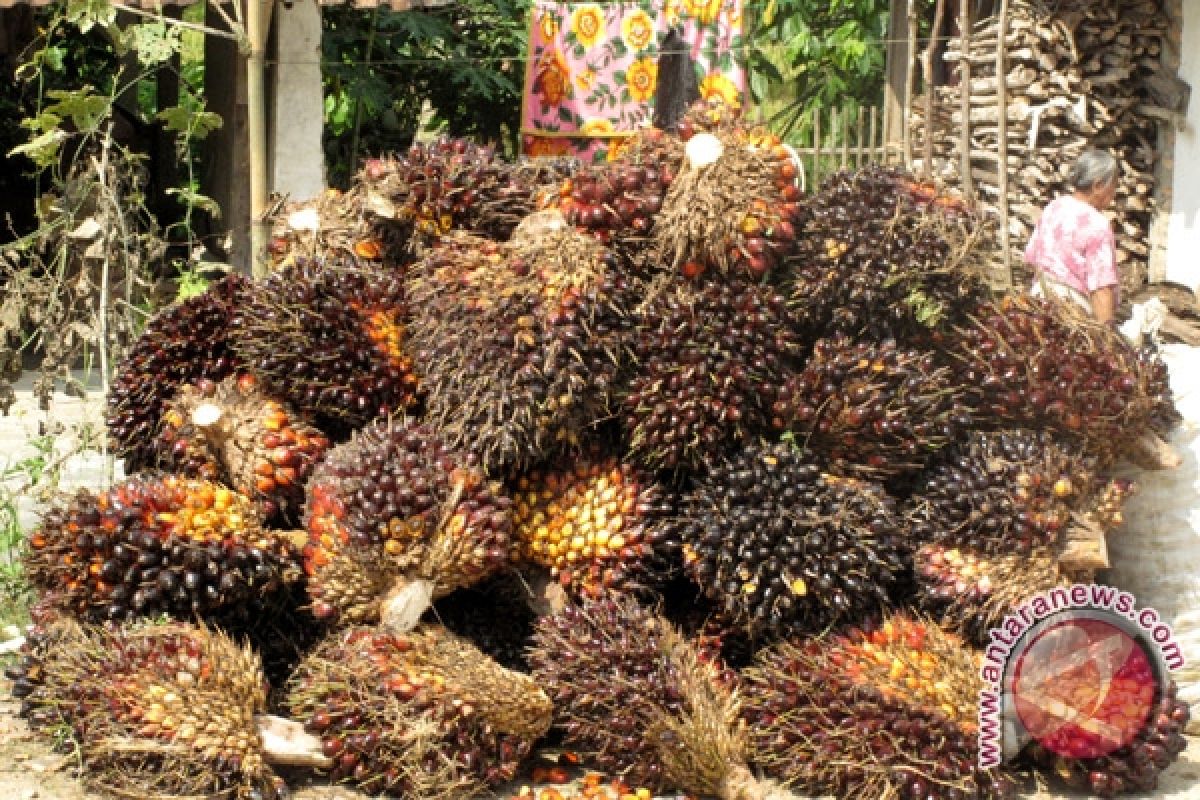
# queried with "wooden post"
point(858, 140)
point(845, 138)
point(872, 154)
point(910, 66)
point(935, 33)
point(895, 99)
point(297, 162)
point(1002, 139)
point(964, 78)
point(816, 147)
point(227, 154)
point(257, 26)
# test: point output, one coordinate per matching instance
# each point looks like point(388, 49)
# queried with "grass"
point(34, 475)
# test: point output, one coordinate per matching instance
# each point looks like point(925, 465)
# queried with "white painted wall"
point(1183, 230)
point(297, 113)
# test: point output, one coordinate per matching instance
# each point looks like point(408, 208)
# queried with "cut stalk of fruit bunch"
point(595, 523)
point(397, 518)
point(710, 361)
point(160, 544)
point(236, 433)
point(734, 205)
point(635, 700)
point(1013, 492)
point(180, 345)
point(872, 409)
point(520, 343)
point(328, 338)
point(422, 714)
point(779, 545)
point(886, 710)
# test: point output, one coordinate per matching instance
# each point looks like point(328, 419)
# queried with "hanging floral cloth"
point(593, 67)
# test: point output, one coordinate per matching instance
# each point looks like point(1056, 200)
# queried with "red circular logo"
point(1083, 687)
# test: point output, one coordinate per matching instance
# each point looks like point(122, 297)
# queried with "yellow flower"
point(705, 11)
point(596, 127)
point(548, 25)
point(717, 85)
point(642, 79)
point(616, 147)
point(588, 24)
point(637, 29)
point(546, 146)
point(670, 12)
point(586, 79)
point(553, 81)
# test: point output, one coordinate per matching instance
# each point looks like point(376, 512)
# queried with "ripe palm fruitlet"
point(633, 697)
point(970, 592)
point(885, 710)
point(396, 509)
point(160, 711)
point(328, 338)
point(1041, 364)
point(455, 184)
point(733, 206)
point(159, 544)
point(873, 256)
point(709, 363)
point(179, 345)
point(871, 409)
point(519, 344)
point(1137, 764)
point(421, 715)
point(235, 433)
point(777, 544)
point(1012, 491)
point(619, 202)
point(595, 522)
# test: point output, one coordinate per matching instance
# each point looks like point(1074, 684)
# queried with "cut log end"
point(285, 742)
point(405, 603)
point(740, 784)
point(703, 149)
point(547, 596)
point(207, 415)
point(1150, 452)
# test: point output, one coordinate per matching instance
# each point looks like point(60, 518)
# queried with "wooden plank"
point(935, 33)
point(871, 143)
point(816, 147)
point(845, 138)
point(909, 78)
point(964, 79)
point(897, 63)
point(1002, 144)
point(859, 150)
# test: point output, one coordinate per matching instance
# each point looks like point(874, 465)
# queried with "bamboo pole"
point(845, 138)
point(859, 153)
point(872, 153)
point(817, 147)
point(1002, 141)
point(964, 77)
point(935, 33)
point(257, 26)
point(909, 78)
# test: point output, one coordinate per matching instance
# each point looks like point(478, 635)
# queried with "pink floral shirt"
point(1074, 245)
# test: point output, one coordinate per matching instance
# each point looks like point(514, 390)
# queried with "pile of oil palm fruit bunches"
point(718, 484)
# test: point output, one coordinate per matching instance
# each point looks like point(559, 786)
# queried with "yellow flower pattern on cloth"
point(705, 11)
point(587, 23)
point(642, 79)
point(717, 85)
point(637, 29)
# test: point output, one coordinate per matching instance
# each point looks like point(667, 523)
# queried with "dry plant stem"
point(405, 603)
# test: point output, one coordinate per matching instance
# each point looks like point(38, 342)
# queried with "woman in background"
point(1072, 250)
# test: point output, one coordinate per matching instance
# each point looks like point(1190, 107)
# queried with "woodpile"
point(1084, 73)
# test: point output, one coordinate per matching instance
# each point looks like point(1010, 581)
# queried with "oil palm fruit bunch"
point(161, 711)
point(733, 206)
point(328, 338)
point(709, 362)
point(333, 222)
point(971, 592)
point(1165, 417)
point(594, 522)
point(871, 257)
point(234, 432)
point(395, 518)
point(179, 345)
point(872, 408)
point(635, 700)
point(1027, 361)
point(1134, 766)
point(885, 710)
point(777, 544)
point(519, 343)
point(619, 202)
point(422, 714)
point(456, 184)
point(1012, 491)
point(495, 615)
point(156, 544)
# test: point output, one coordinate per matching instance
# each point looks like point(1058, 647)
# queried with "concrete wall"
point(1183, 232)
point(297, 109)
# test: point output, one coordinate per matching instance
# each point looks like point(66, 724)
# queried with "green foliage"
point(381, 69)
point(809, 54)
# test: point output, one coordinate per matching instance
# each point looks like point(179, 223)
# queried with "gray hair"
point(1094, 168)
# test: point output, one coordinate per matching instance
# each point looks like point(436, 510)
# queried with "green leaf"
point(193, 199)
point(194, 124)
point(52, 58)
point(87, 14)
point(154, 42)
point(85, 110)
point(42, 149)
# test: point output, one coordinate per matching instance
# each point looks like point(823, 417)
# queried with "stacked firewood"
point(1087, 73)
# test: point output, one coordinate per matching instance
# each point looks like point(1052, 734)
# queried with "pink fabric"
point(1073, 244)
